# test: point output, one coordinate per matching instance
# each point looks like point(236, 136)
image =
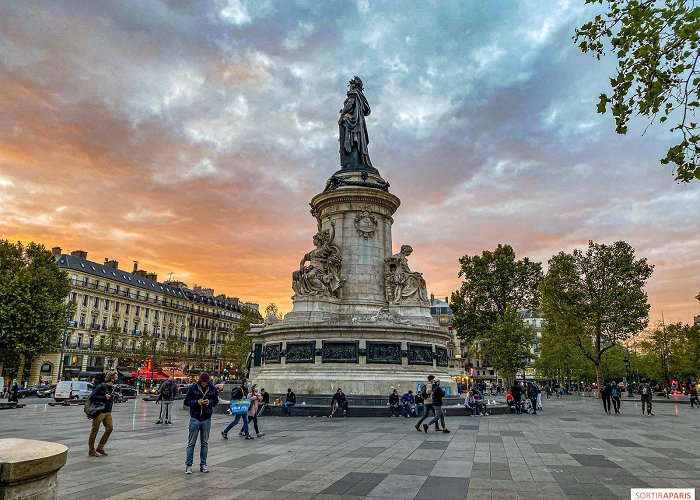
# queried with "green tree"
point(508, 343)
point(597, 295)
point(493, 283)
point(656, 43)
point(559, 355)
point(33, 302)
point(236, 350)
point(271, 311)
point(673, 351)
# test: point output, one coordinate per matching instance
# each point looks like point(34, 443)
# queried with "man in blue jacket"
point(201, 397)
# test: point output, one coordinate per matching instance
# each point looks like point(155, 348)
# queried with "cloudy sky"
point(191, 135)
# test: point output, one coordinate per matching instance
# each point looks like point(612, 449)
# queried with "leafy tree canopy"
point(33, 307)
point(508, 344)
point(598, 295)
point(656, 43)
point(493, 283)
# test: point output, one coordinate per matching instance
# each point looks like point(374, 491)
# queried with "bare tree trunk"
point(598, 377)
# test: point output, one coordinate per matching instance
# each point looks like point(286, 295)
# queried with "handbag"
point(240, 407)
point(92, 409)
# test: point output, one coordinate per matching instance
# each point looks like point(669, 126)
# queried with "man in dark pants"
point(645, 392)
point(693, 395)
point(339, 401)
point(427, 395)
point(532, 396)
point(605, 394)
point(516, 391)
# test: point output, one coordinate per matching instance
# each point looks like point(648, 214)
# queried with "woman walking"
point(255, 401)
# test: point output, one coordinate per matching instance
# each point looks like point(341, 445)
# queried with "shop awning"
point(147, 375)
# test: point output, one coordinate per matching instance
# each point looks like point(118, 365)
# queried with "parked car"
point(46, 393)
point(67, 390)
point(30, 391)
point(181, 391)
point(126, 390)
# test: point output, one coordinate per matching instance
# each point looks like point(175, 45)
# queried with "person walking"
point(13, 393)
point(289, 403)
point(201, 399)
point(238, 393)
point(102, 395)
point(256, 400)
point(605, 394)
point(166, 396)
point(645, 393)
point(693, 393)
point(539, 395)
point(532, 396)
point(615, 396)
point(339, 401)
point(394, 403)
point(265, 401)
point(427, 395)
point(438, 394)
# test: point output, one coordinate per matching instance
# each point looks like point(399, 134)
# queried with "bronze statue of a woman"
point(353, 129)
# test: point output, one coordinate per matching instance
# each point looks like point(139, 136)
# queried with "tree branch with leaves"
point(656, 43)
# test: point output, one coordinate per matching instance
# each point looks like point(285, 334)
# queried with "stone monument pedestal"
point(29, 469)
point(356, 339)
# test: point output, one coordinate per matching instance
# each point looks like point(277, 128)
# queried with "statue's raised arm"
point(354, 139)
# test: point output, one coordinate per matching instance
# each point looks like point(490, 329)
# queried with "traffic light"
point(138, 365)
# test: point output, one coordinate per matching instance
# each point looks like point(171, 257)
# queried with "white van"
point(68, 390)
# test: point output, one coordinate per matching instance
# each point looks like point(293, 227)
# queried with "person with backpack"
point(102, 396)
point(615, 395)
point(289, 402)
point(645, 393)
point(238, 393)
point(166, 396)
point(532, 396)
point(517, 391)
point(693, 393)
point(427, 395)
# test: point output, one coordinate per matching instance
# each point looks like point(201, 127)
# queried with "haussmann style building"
point(119, 311)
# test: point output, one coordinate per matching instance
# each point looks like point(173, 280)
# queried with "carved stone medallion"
point(366, 224)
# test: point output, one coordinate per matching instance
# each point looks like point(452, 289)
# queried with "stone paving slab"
point(569, 450)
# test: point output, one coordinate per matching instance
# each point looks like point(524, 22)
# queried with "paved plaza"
point(569, 450)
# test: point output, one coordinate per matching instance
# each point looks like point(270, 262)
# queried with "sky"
point(190, 136)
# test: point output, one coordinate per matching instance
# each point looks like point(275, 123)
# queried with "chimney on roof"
point(152, 276)
point(79, 253)
point(432, 298)
point(56, 251)
point(111, 263)
point(136, 266)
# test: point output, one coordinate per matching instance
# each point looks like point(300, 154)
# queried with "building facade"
point(537, 322)
point(123, 319)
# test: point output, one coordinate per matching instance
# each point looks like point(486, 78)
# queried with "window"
point(126, 308)
point(85, 281)
point(106, 304)
point(126, 326)
point(155, 315)
point(80, 339)
point(116, 288)
point(104, 323)
point(156, 331)
point(116, 307)
point(85, 300)
point(82, 320)
point(138, 310)
point(146, 311)
point(96, 303)
point(73, 297)
point(91, 342)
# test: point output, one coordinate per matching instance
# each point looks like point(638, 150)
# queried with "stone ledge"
point(25, 460)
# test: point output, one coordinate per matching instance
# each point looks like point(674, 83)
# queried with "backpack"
point(613, 391)
point(645, 390)
point(167, 390)
point(236, 393)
